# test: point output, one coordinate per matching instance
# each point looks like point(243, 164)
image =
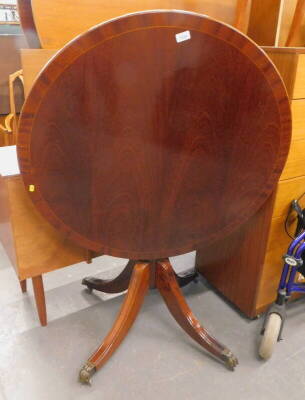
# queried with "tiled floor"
point(156, 361)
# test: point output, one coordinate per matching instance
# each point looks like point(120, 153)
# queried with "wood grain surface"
point(33, 60)
point(140, 146)
point(27, 22)
point(59, 21)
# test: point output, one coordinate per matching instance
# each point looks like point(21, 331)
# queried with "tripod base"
point(144, 275)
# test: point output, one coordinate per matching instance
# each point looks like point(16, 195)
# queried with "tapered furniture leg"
point(116, 285)
point(167, 284)
point(23, 285)
point(40, 299)
point(137, 290)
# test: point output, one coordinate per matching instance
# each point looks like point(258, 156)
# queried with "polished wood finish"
point(162, 274)
point(121, 282)
point(298, 121)
point(243, 254)
point(33, 61)
point(299, 86)
point(6, 230)
point(286, 62)
point(63, 137)
point(233, 266)
point(27, 23)
point(139, 285)
point(277, 22)
point(23, 285)
point(242, 15)
point(295, 165)
point(58, 21)
point(296, 25)
point(264, 21)
point(286, 21)
point(116, 285)
point(40, 299)
point(167, 285)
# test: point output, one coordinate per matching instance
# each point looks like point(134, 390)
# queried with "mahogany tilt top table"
point(148, 136)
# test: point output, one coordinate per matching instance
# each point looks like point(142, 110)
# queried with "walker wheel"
point(270, 336)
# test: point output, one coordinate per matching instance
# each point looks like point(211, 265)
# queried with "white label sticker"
point(182, 36)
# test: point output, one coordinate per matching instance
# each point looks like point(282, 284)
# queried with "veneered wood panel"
point(242, 15)
point(295, 164)
point(298, 119)
point(234, 265)
point(122, 213)
point(33, 60)
point(299, 87)
point(263, 21)
point(58, 21)
point(288, 14)
point(6, 233)
point(40, 248)
point(286, 64)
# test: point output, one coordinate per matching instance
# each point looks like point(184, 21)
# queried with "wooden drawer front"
point(299, 85)
point(298, 119)
point(295, 165)
point(286, 192)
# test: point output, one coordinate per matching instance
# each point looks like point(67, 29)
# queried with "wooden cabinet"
point(246, 267)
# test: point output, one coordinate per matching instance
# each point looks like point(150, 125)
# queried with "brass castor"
point(86, 373)
point(230, 360)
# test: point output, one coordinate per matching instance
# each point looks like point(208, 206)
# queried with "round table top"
point(153, 134)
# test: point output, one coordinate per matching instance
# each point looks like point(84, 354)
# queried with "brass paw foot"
point(230, 360)
point(86, 373)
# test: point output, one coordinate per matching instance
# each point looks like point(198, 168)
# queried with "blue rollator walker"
point(294, 263)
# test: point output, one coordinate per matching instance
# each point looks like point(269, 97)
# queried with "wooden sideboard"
point(248, 267)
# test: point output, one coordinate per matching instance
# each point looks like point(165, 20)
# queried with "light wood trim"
point(264, 21)
point(58, 21)
point(286, 63)
point(288, 13)
point(298, 18)
point(295, 164)
point(33, 60)
point(6, 231)
point(298, 119)
point(299, 86)
point(242, 15)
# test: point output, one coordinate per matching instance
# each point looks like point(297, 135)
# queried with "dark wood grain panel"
point(142, 147)
point(234, 265)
